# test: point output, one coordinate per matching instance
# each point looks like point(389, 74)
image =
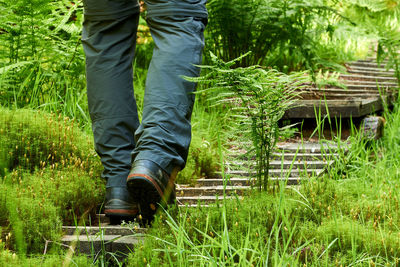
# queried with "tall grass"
point(347, 219)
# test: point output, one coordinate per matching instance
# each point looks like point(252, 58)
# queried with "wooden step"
point(369, 86)
point(276, 173)
point(350, 108)
point(94, 244)
point(214, 190)
point(368, 64)
point(371, 70)
point(278, 164)
point(193, 200)
point(307, 147)
point(288, 156)
point(362, 78)
point(104, 230)
point(390, 84)
point(321, 95)
point(243, 182)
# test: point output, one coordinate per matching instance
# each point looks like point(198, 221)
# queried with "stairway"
point(368, 86)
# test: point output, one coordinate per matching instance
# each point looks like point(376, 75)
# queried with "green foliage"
point(41, 58)
point(285, 34)
point(8, 258)
point(327, 221)
point(260, 98)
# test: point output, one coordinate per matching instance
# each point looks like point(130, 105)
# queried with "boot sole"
point(147, 193)
point(116, 216)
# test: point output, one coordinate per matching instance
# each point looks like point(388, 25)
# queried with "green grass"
point(50, 172)
point(346, 218)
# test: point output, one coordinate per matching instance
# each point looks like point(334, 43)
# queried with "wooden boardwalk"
point(368, 87)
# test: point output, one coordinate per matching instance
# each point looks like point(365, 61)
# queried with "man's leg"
point(163, 138)
point(109, 37)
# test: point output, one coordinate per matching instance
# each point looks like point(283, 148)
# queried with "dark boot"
point(151, 187)
point(120, 205)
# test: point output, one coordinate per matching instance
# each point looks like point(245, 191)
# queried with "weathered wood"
point(94, 244)
point(337, 108)
point(367, 69)
point(372, 127)
point(276, 173)
point(368, 64)
point(105, 230)
point(367, 77)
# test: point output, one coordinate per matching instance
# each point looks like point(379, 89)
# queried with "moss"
point(32, 140)
point(51, 177)
point(11, 259)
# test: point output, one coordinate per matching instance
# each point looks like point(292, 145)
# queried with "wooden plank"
point(355, 82)
point(338, 96)
point(367, 64)
point(372, 70)
point(365, 86)
point(366, 77)
point(337, 108)
point(340, 90)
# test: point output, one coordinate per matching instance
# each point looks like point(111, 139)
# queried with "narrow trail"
point(368, 86)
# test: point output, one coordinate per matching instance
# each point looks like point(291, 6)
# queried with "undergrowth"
point(334, 220)
point(50, 177)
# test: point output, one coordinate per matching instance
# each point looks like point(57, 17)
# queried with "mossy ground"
point(50, 177)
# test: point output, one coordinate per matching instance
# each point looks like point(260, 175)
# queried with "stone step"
point(215, 190)
point(243, 182)
point(94, 244)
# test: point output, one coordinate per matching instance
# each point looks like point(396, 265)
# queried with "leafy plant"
point(41, 58)
point(260, 98)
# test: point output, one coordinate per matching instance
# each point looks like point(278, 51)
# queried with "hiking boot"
point(151, 187)
point(120, 205)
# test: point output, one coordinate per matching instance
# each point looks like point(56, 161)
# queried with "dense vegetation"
point(47, 161)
